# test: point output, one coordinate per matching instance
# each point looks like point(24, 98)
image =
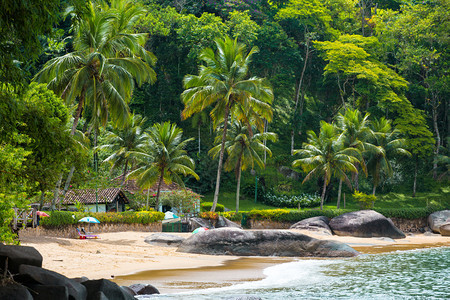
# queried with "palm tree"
point(224, 84)
point(243, 151)
point(389, 145)
point(324, 155)
point(165, 159)
point(124, 142)
point(357, 133)
point(107, 60)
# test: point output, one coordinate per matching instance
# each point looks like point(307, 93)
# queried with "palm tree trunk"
point(415, 179)
point(238, 186)
point(438, 136)
point(161, 178)
point(69, 178)
point(222, 150)
point(374, 189)
point(78, 113)
point(56, 193)
point(124, 172)
point(323, 192)
point(199, 139)
point(339, 194)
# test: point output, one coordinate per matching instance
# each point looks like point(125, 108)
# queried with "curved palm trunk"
point(124, 172)
point(222, 150)
point(323, 192)
point(161, 178)
point(78, 113)
point(238, 185)
point(374, 189)
point(339, 194)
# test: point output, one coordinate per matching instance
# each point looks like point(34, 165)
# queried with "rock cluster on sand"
point(164, 239)
point(437, 219)
point(318, 224)
point(211, 224)
point(365, 223)
point(28, 280)
point(234, 241)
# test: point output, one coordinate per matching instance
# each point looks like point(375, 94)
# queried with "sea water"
point(412, 274)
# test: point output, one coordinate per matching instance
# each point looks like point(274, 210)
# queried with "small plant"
point(365, 201)
point(80, 206)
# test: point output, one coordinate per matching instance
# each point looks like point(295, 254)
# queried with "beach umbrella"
point(42, 214)
point(200, 229)
point(89, 220)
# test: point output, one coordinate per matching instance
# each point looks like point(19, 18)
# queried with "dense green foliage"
point(206, 206)
point(354, 86)
point(61, 218)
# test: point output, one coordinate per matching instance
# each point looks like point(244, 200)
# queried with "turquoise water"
point(413, 274)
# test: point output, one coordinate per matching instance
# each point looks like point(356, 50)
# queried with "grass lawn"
point(390, 200)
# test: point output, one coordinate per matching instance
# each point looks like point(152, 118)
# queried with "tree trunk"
point(199, 139)
point(438, 136)
point(56, 192)
point(298, 91)
point(415, 179)
point(238, 186)
point(161, 178)
point(69, 178)
point(339, 194)
point(41, 202)
point(374, 189)
point(222, 150)
point(124, 175)
point(323, 192)
point(78, 113)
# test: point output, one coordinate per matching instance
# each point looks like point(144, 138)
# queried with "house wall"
point(91, 207)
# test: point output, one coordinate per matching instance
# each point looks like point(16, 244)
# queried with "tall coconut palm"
point(124, 142)
point(108, 58)
point(357, 133)
point(165, 158)
point(223, 83)
point(325, 155)
point(389, 145)
point(243, 151)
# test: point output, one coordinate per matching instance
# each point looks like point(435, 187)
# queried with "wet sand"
point(125, 258)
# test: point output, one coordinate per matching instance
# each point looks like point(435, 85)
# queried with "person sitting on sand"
point(83, 231)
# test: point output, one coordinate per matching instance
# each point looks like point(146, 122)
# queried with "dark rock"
point(288, 173)
point(111, 290)
point(15, 292)
point(445, 229)
point(319, 224)
point(195, 223)
point(80, 279)
point(49, 292)
point(18, 255)
point(164, 239)
point(128, 290)
point(224, 222)
point(233, 241)
point(144, 289)
point(31, 275)
point(438, 218)
point(365, 223)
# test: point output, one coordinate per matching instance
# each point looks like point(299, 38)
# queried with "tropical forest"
point(272, 107)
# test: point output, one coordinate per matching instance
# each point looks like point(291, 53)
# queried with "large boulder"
point(15, 292)
point(18, 255)
point(234, 241)
point(319, 224)
point(445, 229)
point(99, 289)
point(224, 222)
point(31, 276)
point(144, 289)
point(164, 239)
point(365, 223)
point(438, 218)
point(49, 292)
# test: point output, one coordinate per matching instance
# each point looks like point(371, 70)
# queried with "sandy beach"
point(126, 258)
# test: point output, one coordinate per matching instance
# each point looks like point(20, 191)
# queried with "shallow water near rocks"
point(412, 274)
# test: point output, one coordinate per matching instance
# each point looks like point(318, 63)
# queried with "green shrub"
point(365, 201)
point(62, 218)
point(282, 200)
point(206, 206)
point(232, 215)
point(409, 213)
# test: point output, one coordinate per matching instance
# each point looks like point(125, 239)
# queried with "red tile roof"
point(88, 196)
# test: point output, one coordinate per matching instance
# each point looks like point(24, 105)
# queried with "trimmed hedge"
point(206, 206)
point(284, 215)
point(61, 218)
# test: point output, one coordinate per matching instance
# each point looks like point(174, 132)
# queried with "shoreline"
point(125, 258)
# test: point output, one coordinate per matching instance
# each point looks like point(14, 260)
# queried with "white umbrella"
point(89, 220)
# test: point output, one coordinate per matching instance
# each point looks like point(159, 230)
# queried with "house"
point(110, 199)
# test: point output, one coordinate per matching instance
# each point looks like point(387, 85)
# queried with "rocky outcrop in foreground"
point(234, 241)
point(318, 224)
point(365, 223)
point(437, 219)
point(29, 281)
point(164, 239)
